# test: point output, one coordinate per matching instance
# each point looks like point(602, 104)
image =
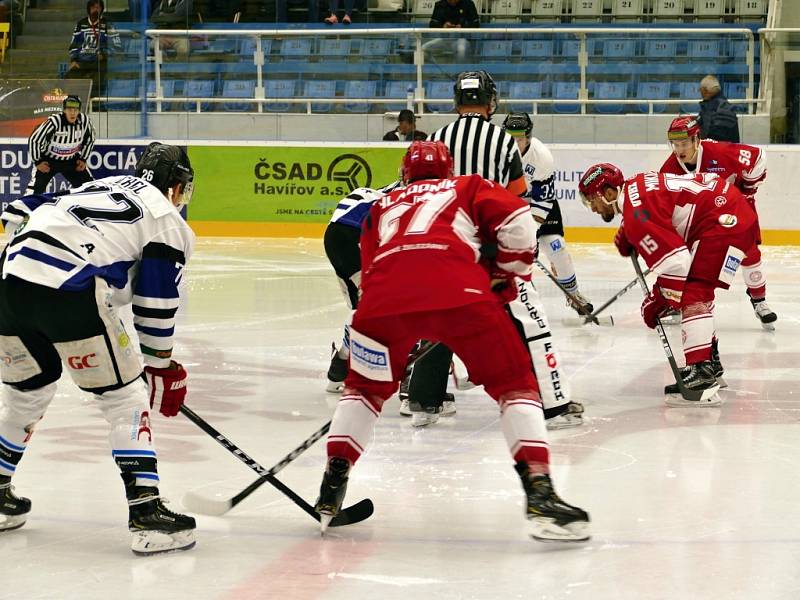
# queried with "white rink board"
point(775, 200)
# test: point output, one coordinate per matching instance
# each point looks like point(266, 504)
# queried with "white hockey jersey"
point(353, 208)
point(538, 168)
point(120, 229)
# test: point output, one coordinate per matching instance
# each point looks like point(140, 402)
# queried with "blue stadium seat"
point(376, 48)
point(198, 88)
point(247, 48)
point(707, 49)
point(439, 90)
point(168, 89)
point(537, 49)
point(333, 49)
point(566, 90)
point(238, 88)
point(318, 88)
point(502, 49)
point(689, 91)
point(132, 46)
point(610, 90)
point(653, 90)
point(736, 91)
point(570, 48)
point(397, 89)
point(296, 48)
point(524, 89)
point(279, 88)
point(619, 49)
point(123, 88)
point(660, 49)
point(359, 89)
point(737, 49)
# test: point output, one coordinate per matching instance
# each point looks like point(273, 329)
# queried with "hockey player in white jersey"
point(341, 247)
point(73, 260)
point(538, 167)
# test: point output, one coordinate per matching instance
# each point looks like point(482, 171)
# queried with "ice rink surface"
point(685, 503)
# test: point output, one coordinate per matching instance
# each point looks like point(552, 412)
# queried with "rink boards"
point(290, 189)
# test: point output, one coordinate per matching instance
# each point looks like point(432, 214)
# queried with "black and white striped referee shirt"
point(57, 139)
point(478, 146)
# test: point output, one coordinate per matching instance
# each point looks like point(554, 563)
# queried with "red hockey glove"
point(654, 306)
point(624, 247)
point(504, 288)
point(167, 388)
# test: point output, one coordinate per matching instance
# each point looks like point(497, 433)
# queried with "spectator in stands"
point(717, 118)
point(448, 14)
point(92, 41)
point(406, 130)
point(348, 12)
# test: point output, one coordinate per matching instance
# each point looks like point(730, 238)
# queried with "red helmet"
point(596, 179)
point(426, 160)
point(683, 128)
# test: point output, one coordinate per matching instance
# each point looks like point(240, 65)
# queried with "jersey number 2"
point(426, 208)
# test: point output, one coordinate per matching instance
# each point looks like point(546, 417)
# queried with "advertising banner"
point(283, 184)
point(106, 159)
point(24, 103)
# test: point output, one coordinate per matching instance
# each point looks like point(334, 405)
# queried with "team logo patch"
point(731, 264)
point(755, 276)
point(720, 200)
point(555, 245)
point(728, 220)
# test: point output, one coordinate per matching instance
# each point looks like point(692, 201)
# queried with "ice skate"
point(584, 308)
point(155, 528)
point(716, 368)
point(697, 377)
point(763, 312)
point(572, 417)
point(332, 491)
point(337, 372)
point(13, 509)
point(551, 519)
point(421, 417)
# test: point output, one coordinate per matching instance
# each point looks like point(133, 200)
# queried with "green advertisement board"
point(283, 184)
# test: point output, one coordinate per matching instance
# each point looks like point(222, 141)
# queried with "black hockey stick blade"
point(360, 511)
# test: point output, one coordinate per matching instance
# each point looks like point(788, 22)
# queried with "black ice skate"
point(156, 529)
point(551, 519)
point(763, 312)
point(699, 376)
point(332, 491)
point(716, 368)
point(13, 509)
point(337, 372)
point(422, 416)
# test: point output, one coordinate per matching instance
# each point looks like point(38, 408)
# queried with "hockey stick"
point(212, 506)
point(694, 395)
point(619, 294)
point(588, 317)
point(353, 514)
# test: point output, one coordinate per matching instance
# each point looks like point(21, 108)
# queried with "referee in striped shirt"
point(61, 144)
point(477, 146)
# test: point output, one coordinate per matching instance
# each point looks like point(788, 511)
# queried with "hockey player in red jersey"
point(693, 232)
point(423, 278)
point(744, 166)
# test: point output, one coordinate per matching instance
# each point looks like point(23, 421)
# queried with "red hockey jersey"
point(663, 215)
point(746, 165)
point(420, 245)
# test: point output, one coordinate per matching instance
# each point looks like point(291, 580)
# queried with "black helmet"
point(518, 124)
point(475, 88)
point(163, 166)
point(71, 102)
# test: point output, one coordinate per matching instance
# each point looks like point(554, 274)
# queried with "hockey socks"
point(522, 422)
point(352, 426)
